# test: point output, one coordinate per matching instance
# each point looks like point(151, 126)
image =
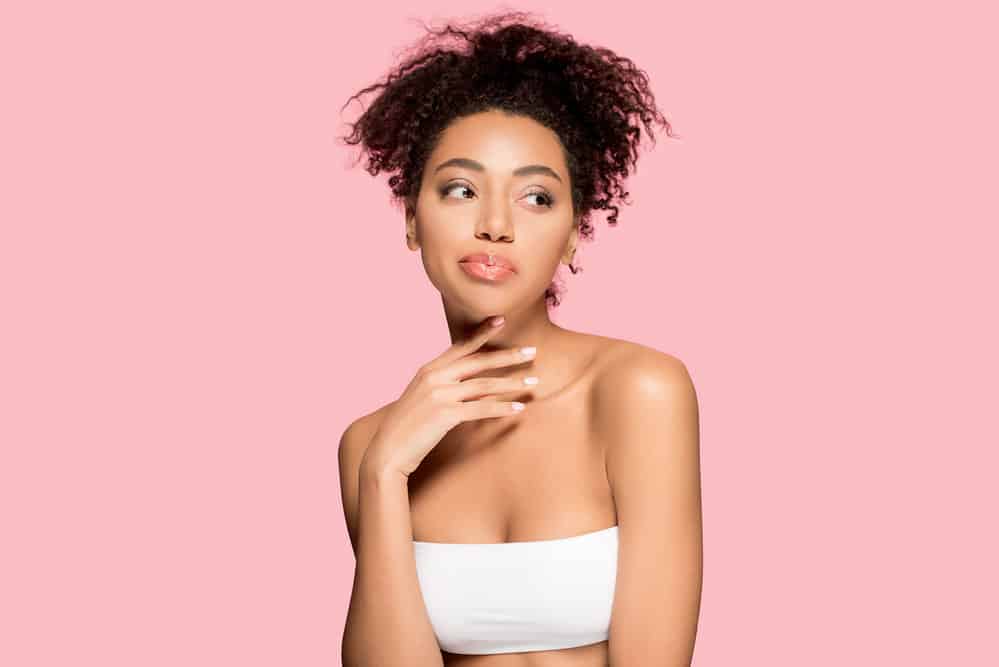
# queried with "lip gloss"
point(486, 272)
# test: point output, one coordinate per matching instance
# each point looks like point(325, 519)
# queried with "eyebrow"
point(519, 171)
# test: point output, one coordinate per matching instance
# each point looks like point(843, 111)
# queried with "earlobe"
point(411, 240)
point(570, 249)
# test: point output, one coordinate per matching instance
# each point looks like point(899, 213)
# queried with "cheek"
point(545, 247)
point(440, 245)
point(539, 261)
point(439, 225)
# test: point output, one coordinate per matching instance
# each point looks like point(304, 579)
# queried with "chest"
point(537, 475)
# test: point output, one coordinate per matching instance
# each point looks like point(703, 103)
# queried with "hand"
point(437, 399)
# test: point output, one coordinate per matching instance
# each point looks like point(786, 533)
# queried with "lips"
point(484, 258)
point(490, 268)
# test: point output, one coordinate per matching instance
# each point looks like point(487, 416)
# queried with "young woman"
point(532, 498)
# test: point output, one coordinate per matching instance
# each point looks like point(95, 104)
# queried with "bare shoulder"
point(358, 433)
point(631, 372)
point(353, 443)
point(644, 409)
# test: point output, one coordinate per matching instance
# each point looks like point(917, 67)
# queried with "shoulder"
point(356, 437)
point(358, 432)
point(643, 400)
point(631, 371)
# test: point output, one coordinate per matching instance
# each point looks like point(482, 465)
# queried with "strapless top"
point(509, 597)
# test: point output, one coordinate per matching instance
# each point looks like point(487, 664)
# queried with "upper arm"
point(353, 444)
point(648, 411)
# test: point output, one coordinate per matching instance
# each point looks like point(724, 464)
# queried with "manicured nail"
point(498, 320)
point(517, 406)
point(528, 351)
point(531, 380)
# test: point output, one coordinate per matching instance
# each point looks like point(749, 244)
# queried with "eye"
point(448, 188)
point(548, 202)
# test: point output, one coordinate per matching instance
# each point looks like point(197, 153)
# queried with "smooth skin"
point(609, 435)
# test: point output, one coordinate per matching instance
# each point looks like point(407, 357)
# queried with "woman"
point(532, 497)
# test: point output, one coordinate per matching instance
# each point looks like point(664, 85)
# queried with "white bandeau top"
point(509, 597)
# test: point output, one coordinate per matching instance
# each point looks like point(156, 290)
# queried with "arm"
point(649, 411)
point(387, 622)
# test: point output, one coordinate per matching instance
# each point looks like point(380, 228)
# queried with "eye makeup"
point(547, 199)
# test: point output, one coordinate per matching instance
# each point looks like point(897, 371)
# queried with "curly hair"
point(589, 96)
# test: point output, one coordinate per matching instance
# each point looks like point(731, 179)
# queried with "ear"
point(412, 242)
point(570, 246)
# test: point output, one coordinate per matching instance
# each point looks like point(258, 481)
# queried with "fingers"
point(487, 409)
point(487, 328)
point(476, 363)
point(490, 386)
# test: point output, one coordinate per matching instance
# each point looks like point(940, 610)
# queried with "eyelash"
point(548, 198)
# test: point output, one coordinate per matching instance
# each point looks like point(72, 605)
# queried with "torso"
point(541, 476)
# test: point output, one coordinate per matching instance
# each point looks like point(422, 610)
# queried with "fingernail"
point(531, 380)
point(498, 320)
point(528, 351)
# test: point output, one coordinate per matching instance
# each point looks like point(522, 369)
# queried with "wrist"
point(376, 469)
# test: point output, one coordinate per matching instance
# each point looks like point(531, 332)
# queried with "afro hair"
point(592, 98)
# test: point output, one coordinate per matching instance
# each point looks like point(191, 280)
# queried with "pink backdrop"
point(191, 316)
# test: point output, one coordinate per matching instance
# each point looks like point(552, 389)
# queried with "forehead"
point(500, 141)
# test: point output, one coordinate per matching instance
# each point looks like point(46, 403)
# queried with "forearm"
point(387, 623)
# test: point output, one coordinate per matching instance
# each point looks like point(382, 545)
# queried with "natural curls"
point(594, 100)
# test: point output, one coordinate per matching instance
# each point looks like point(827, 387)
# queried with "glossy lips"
point(478, 266)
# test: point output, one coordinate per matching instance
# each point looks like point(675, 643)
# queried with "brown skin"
point(544, 474)
point(496, 212)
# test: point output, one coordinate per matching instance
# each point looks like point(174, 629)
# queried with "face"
point(495, 184)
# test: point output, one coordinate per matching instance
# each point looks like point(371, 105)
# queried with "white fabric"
point(510, 597)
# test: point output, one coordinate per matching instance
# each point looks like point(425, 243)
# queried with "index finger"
point(465, 347)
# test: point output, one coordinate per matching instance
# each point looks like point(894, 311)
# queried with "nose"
point(495, 223)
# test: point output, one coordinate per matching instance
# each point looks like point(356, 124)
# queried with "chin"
point(481, 301)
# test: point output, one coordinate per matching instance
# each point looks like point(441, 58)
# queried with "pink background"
point(198, 295)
